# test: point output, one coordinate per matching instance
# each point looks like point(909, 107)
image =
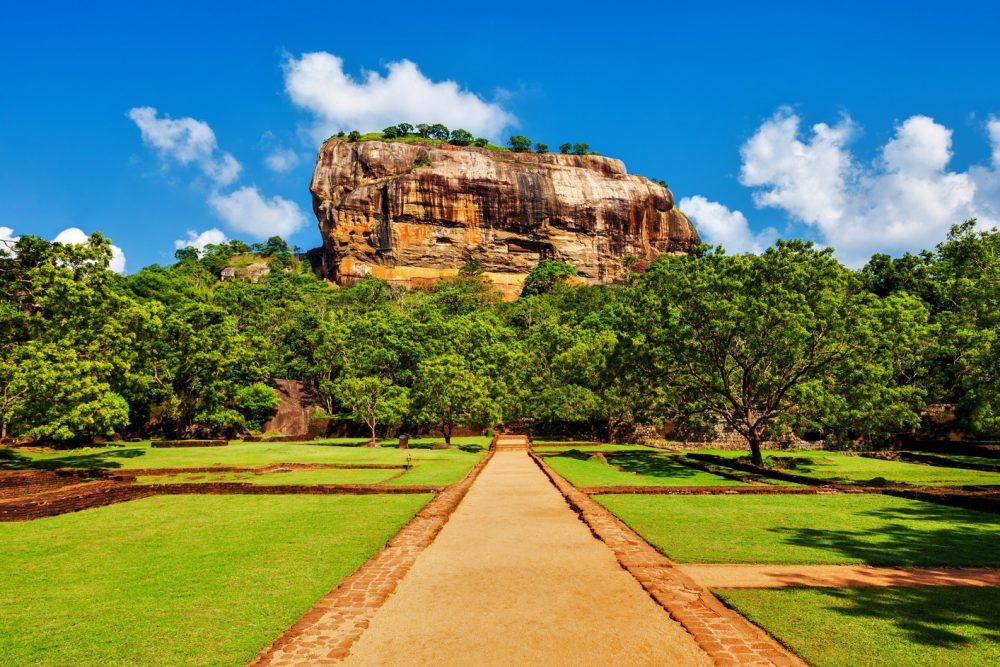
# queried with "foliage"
point(257, 403)
point(461, 137)
point(541, 148)
point(372, 400)
point(546, 275)
point(449, 394)
point(763, 342)
point(519, 143)
point(581, 149)
point(565, 148)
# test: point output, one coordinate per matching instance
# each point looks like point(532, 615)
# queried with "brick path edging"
point(325, 633)
point(728, 638)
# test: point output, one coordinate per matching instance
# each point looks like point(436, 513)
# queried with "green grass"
point(180, 580)
point(965, 458)
point(874, 627)
point(317, 476)
point(241, 454)
point(417, 139)
point(630, 469)
point(826, 529)
point(839, 467)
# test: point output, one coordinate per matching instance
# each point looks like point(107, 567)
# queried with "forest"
point(789, 341)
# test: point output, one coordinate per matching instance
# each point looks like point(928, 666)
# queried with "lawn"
point(630, 469)
point(873, 627)
point(130, 456)
point(840, 467)
point(314, 476)
point(825, 529)
point(552, 446)
point(965, 458)
point(171, 580)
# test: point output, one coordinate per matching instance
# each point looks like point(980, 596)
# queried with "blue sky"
point(720, 99)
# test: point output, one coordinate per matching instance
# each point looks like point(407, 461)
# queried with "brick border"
point(728, 638)
point(325, 633)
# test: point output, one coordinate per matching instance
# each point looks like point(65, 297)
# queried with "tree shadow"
point(928, 615)
point(11, 459)
point(968, 538)
point(655, 465)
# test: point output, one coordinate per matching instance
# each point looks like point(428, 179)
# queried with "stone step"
point(511, 442)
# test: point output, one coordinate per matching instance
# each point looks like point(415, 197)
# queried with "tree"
point(581, 149)
point(439, 131)
point(391, 132)
point(546, 275)
point(461, 137)
point(482, 142)
point(565, 148)
point(424, 130)
point(372, 400)
point(404, 129)
point(354, 135)
point(762, 342)
point(541, 148)
point(447, 393)
point(186, 253)
point(257, 403)
point(519, 143)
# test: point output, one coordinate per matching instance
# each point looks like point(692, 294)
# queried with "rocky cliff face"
point(410, 213)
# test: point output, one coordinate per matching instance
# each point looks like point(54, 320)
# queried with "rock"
point(411, 213)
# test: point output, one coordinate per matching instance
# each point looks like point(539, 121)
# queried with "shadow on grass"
point(967, 539)
point(932, 616)
point(14, 460)
point(664, 466)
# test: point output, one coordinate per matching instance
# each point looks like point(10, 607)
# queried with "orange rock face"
point(411, 213)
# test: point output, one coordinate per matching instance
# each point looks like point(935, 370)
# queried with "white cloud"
point(721, 226)
point(199, 241)
point(186, 141)
point(807, 179)
point(904, 201)
point(7, 234)
point(247, 211)
point(76, 236)
point(317, 82)
point(282, 160)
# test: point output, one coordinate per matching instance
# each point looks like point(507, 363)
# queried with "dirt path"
point(835, 576)
point(515, 578)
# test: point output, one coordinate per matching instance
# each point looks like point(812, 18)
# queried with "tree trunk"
point(373, 442)
point(753, 438)
point(447, 434)
point(3, 430)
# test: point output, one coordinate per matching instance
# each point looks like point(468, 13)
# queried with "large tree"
point(759, 342)
point(448, 394)
point(372, 400)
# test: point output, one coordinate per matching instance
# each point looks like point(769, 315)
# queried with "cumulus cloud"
point(905, 200)
point(7, 234)
point(247, 211)
point(76, 236)
point(721, 226)
point(199, 241)
point(186, 141)
point(282, 160)
point(317, 82)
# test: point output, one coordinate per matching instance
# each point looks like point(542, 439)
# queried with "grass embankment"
point(193, 580)
point(430, 466)
point(873, 627)
point(825, 529)
point(630, 469)
point(838, 467)
point(968, 459)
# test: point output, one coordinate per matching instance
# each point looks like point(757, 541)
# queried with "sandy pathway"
point(515, 578)
point(835, 576)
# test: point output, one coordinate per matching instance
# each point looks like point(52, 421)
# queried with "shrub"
point(541, 148)
point(581, 149)
point(354, 136)
point(257, 403)
point(565, 148)
point(390, 132)
point(482, 142)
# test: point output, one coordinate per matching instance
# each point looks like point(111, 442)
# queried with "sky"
point(865, 126)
